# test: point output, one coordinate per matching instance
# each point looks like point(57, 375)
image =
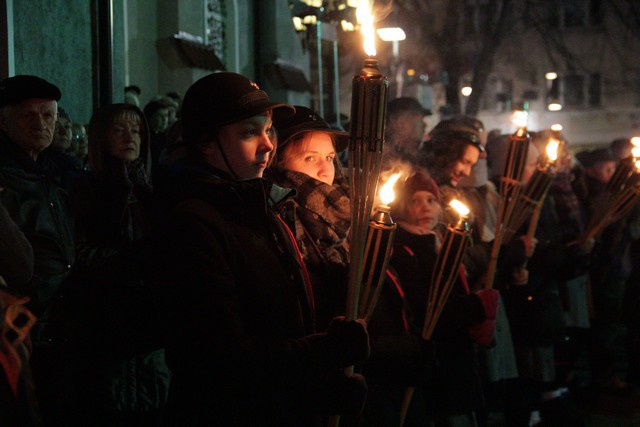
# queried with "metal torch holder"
point(368, 115)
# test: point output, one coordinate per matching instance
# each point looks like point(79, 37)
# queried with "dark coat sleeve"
point(16, 254)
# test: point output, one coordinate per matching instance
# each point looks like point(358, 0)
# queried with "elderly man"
point(31, 193)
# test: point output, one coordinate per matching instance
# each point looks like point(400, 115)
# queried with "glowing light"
point(411, 72)
point(364, 13)
point(636, 141)
point(460, 207)
point(386, 192)
point(347, 26)
point(552, 149)
point(635, 152)
point(466, 91)
point(554, 106)
point(638, 166)
point(520, 118)
point(391, 34)
point(551, 75)
point(556, 127)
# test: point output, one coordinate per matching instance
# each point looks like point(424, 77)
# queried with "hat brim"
point(340, 139)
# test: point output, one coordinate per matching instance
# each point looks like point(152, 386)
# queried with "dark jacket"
point(16, 254)
point(239, 313)
point(32, 194)
point(319, 215)
point(121, 367)
point(445, 372)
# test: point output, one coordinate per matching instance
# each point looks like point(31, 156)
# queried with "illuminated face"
point(314, 157)
point(63, 134)
point(30, 124)
point(247, 145)
point(462, 167)
point(602, 171)
point(123, 138)
point(423, 209)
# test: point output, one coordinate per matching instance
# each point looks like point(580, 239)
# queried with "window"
point(581, 90)
point(577, 14)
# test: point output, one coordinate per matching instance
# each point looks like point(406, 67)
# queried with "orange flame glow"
point(386, 192)
point(460, 207)
point(364, 13)
point(552, 149)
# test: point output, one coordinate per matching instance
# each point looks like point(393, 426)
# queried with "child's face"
point(314, 157)
point(423, 209)
point(247, 145)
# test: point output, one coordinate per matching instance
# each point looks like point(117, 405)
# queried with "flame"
point(556, 127)
point(460, 207)
point(635, 152)
point(552, 149)
point(638, 166)
point(386, 192)
point(635, 141)
point(364, 13)
point(519, 118)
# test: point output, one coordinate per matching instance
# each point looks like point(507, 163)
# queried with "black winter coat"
point(238, 312)
point(32, 194)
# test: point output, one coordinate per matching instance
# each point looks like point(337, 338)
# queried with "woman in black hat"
point(319, 213)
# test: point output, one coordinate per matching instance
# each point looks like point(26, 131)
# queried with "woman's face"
point(423, 209)
point(63, 134)
point(462, 167)
point(314, 157)
point(124, 139)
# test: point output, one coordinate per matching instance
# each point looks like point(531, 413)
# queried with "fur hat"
point(14, 90)
point(221, 99)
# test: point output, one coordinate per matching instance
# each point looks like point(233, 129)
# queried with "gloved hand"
point(351, 337)
point(489, 299)
point(342, 395)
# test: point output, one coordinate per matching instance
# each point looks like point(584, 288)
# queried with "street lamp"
point(394, 35)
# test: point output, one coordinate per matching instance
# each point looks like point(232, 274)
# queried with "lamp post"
point(394, 35)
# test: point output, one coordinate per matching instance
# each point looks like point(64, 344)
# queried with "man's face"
point(602, 171)
point(462, 167)
point(30, 124)
point(247, 146)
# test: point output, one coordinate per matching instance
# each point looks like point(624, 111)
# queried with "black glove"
point(342, 395)
point(351, 338)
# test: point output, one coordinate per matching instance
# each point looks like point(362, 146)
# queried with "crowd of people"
point(187, 264)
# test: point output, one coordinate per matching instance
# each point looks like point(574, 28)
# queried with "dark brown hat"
point(221, 99)
point(447, 132)
point(306, 120)
point(420, 182)
point(14, 90)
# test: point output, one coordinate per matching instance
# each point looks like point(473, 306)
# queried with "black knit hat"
point(221, 99)
point(306, 120)
point(14, 90)
point(590, 158)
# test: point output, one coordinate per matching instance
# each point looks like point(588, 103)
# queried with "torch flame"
point(386, 192)
point(552, 149)
point(364, 13)
point(635, 152)
point(638, 166)
point(635, 141)
point(460, 207)
point(519, 118)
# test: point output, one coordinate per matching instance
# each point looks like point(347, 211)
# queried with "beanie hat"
point(590, 158)
point(14, 90)
point(306, 120)
point(419, 182)
point(221, 99)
